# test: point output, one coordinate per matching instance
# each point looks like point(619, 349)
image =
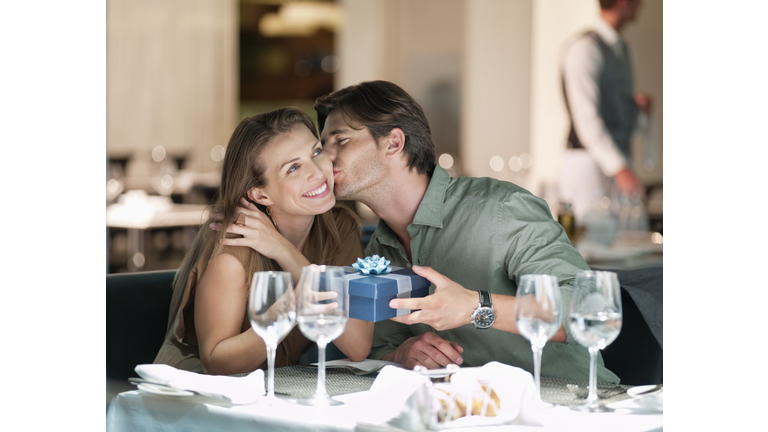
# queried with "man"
point(599, 94)
point(471, 237)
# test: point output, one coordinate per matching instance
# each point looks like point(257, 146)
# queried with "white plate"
point(652, 402)
point(163, 391)
point(635, 391)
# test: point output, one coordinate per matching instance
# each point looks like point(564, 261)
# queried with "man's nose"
point(330, 150)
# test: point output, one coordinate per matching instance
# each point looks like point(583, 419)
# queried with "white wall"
point(360, 42)
point(496, 91)
point(171, 78)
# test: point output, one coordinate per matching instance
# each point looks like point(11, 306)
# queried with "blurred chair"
point(636, 355)
point(137, 317)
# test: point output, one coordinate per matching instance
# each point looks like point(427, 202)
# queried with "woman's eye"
point(293, 168)
point(317, 151)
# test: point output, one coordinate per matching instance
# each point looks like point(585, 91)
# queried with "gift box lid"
point(375, 286)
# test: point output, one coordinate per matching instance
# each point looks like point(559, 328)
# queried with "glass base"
point(271, 400)
point(593, 408)
point(318, 400)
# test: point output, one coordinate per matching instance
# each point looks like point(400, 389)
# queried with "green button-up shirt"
point(484, 234)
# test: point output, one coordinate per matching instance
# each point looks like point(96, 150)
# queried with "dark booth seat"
point(636, 355)
point(137, 317)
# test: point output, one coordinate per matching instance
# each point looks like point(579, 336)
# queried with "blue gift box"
point(369, 295)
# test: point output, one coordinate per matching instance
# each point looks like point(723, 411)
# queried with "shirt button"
point(409, 265)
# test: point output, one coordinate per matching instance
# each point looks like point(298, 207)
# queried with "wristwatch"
point(484, 316)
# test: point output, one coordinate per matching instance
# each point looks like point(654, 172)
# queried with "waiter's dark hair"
point(382, 106)
point(607, 4)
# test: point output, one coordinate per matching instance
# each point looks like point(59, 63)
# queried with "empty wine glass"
point(538, 314)
point(272, 311)
point(595, 322)
point(322, 314)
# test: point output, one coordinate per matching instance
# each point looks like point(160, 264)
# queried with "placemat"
point(569, 392)
point(301, 382)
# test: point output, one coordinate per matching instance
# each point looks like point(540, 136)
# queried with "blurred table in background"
point(139, 221)
point(629, 251)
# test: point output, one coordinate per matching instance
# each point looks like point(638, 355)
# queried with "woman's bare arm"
point(220, 305)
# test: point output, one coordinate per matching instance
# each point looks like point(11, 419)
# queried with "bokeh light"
point(657, 238)
point(525, 158)
point(515, 164)
point(497, 163)
point(217, 153)
point(330, 63)
point(158, 153)
point(445, 161)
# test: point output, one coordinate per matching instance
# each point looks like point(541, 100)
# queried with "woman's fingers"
point(240, 220)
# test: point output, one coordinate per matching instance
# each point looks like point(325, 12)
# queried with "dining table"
point(140, 410)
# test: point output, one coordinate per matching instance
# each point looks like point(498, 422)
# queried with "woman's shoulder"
point(240, 253)
point(228, 255)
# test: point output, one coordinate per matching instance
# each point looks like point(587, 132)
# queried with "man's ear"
point(257, 195)
point(395, 142)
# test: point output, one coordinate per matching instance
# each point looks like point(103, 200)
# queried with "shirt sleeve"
point(581, 72)
point(539, 245)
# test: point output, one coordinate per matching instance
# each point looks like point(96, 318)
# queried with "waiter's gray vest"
point(617, 100)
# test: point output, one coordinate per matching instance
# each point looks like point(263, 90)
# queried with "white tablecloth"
point(139, 411)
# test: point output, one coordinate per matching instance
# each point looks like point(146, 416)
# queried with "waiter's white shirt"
point(581, 69)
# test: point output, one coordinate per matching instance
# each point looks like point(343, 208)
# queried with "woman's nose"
point(315, 172)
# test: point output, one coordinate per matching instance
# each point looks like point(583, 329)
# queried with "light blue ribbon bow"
point(374, 265)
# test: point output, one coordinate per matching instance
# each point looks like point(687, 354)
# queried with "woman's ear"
point(257, 195)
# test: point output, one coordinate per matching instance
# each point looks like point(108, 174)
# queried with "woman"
point(277, 183)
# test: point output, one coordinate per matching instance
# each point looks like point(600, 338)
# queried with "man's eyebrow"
point(332, 133)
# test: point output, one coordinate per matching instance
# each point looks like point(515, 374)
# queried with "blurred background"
point(181, 75)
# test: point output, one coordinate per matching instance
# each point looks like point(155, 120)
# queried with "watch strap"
point(485, 298)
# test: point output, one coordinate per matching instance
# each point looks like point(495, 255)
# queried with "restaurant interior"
point(181, 76)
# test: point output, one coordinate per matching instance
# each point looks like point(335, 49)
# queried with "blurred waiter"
point(603, 107)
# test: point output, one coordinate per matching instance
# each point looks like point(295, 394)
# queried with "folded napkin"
point(403, 397)
point(237, 390)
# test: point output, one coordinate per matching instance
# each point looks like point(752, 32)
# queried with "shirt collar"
point(606, 32)
point(430, 211)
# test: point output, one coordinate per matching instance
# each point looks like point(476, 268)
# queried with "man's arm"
point(452, 306)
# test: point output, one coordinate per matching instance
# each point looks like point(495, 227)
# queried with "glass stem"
point(321, 343)
point(592, 397)
point(270, 371)
point(537, 369)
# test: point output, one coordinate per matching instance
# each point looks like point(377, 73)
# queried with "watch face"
point(485, 317)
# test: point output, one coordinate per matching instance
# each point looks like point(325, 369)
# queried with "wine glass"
point(322, 314)
point(595, 321)
point(272, 311)
point(538, 314)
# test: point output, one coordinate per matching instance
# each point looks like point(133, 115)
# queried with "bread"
point(454, 400)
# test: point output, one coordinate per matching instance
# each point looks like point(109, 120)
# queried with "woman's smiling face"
point(298, 173)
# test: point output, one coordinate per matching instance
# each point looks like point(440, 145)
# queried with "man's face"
point(358, 162)
point(629, 9)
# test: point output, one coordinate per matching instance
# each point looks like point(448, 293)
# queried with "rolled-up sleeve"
point(537, 244)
